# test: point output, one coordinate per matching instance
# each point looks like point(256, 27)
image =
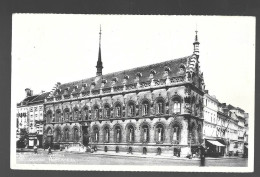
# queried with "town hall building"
point(156, 108)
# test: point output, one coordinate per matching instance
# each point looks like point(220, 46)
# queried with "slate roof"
point(40, 97)
point(159, 68)
point(34, 99)
point(27, 100)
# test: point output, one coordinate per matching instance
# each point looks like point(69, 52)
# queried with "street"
point(99, 159)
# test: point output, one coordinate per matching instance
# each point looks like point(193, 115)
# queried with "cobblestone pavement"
point(109, 159)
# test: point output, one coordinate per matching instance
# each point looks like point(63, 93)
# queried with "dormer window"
point(126, 77)
point(66, 91)
point(93, 84)
point(75, 87)
point(138, 76)
point(103, 82)
point(83, 87)
point(166, 70)
point(152, 73)
point(114, 80)
point(182, 69)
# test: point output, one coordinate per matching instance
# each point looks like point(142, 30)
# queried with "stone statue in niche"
point(167, 107)
point(137, 110)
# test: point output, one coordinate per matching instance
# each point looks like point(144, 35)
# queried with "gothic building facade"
point(151, 109)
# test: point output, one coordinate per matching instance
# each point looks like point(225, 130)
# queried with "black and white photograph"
point(133, 92)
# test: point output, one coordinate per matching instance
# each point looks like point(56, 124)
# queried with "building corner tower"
point(196, 44)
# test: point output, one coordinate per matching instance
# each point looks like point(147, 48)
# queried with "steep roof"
point(40, 97)
point(27, 100)
point(145, 71)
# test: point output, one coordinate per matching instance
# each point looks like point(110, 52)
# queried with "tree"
point(23, 141)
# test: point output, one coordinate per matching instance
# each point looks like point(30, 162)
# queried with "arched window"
point(49, 131)
point(49, 116)
point(106, 111)
point(118, 134)
point(145, 108)
point(75, 113)
point(84, 112)
point(106, 134)
point(131, 109)
point(176, 105)
point(145, 135)
point(96, 112)
point(57, 135)
point(76, 134)
point(176, 134)
point(159, 133)
point(130, 134)
point(66, 134)
point(66, 114)
point(58, 115)
point(96, 134)
point(118, 110)
point(159, 107)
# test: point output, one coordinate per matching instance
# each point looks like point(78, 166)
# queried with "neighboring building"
point(23, 114)
point(212, 127)
point(227, 127)
point(36, 120)
point(239, 115)
point(155, 109)
point(246, 135)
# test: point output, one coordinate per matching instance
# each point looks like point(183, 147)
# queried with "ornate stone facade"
point(151, 109)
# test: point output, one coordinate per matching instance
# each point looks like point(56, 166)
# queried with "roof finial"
point(99, 62)
point(196, 36)
point(196, 43)
point(100, 36)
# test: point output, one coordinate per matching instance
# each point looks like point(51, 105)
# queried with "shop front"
point(214, 148)
point(32, 140)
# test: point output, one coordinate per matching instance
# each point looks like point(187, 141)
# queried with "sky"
point(51, 48)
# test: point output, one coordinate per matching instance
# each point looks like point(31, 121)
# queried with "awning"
point(216, 143)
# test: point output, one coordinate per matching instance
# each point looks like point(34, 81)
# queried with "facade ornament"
point(168, 81)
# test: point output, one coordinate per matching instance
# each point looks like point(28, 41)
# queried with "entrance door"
point(85, 135)
point(35, 142)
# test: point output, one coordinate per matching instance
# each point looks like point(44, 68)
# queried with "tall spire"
point(99, 62)
point(196, 43)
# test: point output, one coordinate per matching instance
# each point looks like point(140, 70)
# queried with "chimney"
point(28, 92)
point(43, 91)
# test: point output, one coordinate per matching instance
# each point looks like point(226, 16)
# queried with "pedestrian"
point(35, 149)
point(49, 150)
point(202, 156)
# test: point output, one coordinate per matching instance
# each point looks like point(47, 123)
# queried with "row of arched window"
point(117, 111)
point(66, 135)
point(130, 133)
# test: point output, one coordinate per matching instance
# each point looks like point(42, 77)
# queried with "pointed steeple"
point(196, 44)
point(99, 62)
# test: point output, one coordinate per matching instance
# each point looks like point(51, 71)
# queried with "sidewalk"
point(153, 155)
point(135, 154)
